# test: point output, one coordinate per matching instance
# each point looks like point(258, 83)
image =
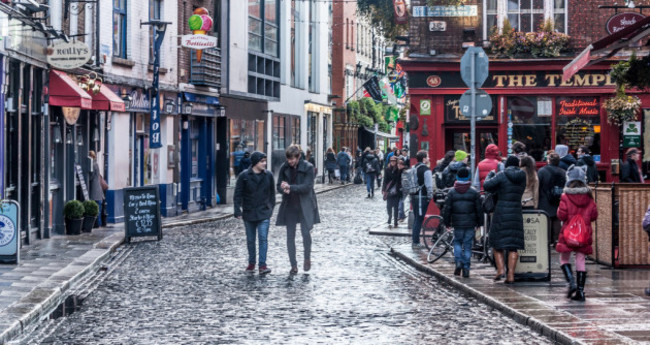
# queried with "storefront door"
point(459, 139)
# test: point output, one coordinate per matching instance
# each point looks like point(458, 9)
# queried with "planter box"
point(88, 224)
point(73, 226)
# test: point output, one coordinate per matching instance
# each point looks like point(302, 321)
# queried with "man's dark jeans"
point(419, 206)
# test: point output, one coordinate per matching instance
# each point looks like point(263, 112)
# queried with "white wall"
point(118, 152)
point(238, 46)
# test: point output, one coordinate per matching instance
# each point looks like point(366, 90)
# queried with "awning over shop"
point(64, 92)
point(106, 99)
point(382, 134)
point(608, 45)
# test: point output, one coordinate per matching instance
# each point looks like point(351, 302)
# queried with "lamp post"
point(158, 36)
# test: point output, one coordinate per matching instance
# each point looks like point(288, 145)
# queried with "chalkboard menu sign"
point(142, 212)
point(82, 181)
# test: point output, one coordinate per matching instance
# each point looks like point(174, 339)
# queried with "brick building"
point(530, 101)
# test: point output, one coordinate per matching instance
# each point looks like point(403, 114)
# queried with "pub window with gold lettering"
point(578, 123)
point(531, 125)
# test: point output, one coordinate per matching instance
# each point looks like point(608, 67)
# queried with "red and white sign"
point(620, 21)
point(434, 81)
point(401, 13)
point(198, 41)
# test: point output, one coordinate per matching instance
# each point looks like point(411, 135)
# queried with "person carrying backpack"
point(418, 182)
point(577, 209)
point(370, 166)
point(450, 172)
point(343, 161)
point(551, 176)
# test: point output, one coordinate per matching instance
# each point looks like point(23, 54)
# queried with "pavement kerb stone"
point(107, 245)
point(516, 315)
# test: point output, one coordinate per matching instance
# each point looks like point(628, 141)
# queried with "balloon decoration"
point(200, 23)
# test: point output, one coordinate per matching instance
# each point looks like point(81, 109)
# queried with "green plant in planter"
point(73, 209)
point(91, 209)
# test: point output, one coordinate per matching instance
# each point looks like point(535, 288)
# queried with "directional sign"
point(481, 65)
point(483, 103)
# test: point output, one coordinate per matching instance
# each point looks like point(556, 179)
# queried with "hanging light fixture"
point(80, 139)
point(68, 136)
point(95, 135)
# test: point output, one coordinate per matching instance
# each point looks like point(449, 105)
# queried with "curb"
point(32, 308)
point(519, 317)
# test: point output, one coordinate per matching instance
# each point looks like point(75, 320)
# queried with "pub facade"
point(531, 104)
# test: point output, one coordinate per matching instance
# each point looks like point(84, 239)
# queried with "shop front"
point(531, 104)
point(198, 151)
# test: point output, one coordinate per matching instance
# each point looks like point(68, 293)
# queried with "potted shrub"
point(73, 211)
point(90, 215)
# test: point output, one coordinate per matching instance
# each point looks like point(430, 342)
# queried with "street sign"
point(483, 103)
point(481, 64)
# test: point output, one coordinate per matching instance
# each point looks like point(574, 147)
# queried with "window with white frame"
point(524, 15)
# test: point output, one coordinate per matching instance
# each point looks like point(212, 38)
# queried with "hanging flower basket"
point(622, 108)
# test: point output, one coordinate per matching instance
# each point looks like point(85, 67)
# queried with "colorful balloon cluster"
point(200, 22)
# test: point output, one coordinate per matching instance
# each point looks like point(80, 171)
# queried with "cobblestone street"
point(190, 288)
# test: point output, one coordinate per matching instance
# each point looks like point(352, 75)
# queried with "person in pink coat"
point(576, 199)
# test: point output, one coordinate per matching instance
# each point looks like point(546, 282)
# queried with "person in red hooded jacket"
point(576, 199)
point(491, 162)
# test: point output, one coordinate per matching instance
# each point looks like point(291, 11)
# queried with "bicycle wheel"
point(431, 228)
point(442, 245)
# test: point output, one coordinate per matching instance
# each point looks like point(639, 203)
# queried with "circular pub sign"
point(620, 21)
point(68, 55)
point(434, 81)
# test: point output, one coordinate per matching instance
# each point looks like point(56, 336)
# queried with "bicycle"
point(433, 225)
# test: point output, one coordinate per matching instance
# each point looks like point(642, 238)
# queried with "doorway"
point(459, 139)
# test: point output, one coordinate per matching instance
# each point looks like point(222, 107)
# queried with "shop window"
point(194, 144)
point(295, 130)
point(311, 130)
point(154, 14)
point(578, 123)
point(279, 132)
point(531, 124)
point(524, 15)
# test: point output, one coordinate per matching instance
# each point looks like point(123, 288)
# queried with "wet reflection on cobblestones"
point(190, 288)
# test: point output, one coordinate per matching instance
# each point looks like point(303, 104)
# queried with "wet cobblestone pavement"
point(190, 288)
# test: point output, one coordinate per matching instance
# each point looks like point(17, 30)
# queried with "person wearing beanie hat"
point(255, 194)
point(576, 206)
point(451, 171)
point(463, 212)
point(631, 170)
point(460, 156)
point(507, 227)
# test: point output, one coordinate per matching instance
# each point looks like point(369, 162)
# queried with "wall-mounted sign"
point(401, 13)
point(445, 11)
point(578, 106)
point(451, 79)
point(453, 112)
point(68, 55)
point(437, 25)
point(620, 21)
point(425, 107)
point(632, 128)
point(434, 81)
point(199, 41)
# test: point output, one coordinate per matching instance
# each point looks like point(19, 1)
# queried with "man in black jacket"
point(551, 176)
point(463, 211)
point(255, 194)
point(299, 205)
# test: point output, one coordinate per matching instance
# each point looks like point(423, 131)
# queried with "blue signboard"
point(9, 231)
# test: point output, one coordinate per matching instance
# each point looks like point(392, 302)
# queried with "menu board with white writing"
point(142, 212)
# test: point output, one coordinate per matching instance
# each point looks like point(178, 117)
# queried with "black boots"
point(568, 274)
point(580, 293)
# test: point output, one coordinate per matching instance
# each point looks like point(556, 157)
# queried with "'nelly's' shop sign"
point(513, 80)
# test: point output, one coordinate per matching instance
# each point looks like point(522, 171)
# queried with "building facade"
point(531, 103)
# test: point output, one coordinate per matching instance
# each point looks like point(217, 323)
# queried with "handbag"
point(357, 178)
point(103, 183)
point(489, 202)
point(386, 192)
point(575, 232)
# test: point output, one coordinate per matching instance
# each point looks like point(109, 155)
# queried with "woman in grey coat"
point(299, 205)
point(507, 229)
point(96, 192)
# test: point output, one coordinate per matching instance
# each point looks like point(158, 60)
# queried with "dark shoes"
point(307, 265)
point(568, 275)
point(465, 273)
point(457, 271)
point(264, 270)
point(580, 292)
point(294, 270)
point(250, 268)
